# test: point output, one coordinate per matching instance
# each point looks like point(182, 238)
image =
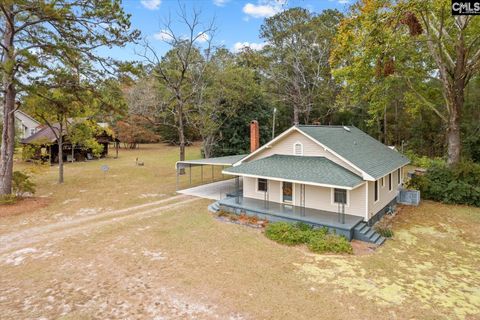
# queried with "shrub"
point(459, 184)
point(317, 240)
point(423, 161)
point(303, 226)
point(8, 199)
point(383, 227)
point(285, 233)
point(21, 184)
point(384, 231)
point(330, 243)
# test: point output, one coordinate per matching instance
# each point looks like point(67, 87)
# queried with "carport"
point(202, 184)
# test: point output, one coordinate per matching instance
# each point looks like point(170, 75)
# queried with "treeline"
point(406, 73)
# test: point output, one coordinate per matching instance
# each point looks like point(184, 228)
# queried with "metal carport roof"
point(218, 161)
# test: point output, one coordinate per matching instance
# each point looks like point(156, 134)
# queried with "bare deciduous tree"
point(180, 72)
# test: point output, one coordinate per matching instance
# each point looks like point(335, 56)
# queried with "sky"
point(237, 22)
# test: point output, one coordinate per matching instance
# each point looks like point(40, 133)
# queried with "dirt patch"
point(361, 248)
point(25, 205)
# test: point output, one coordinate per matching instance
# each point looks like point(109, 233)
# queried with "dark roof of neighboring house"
point(366, 153)
point(46, 135)
point(43, 135)
point(314, 170)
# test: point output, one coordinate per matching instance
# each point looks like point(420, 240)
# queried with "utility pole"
point(273, 126)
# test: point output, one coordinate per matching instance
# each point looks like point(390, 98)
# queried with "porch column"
point(237, 189)
point(268, 193)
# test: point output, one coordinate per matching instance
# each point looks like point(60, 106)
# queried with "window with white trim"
point(262, 185)
point(383, 182)
point(376, 193)
point(340, 196)
point(398, 176)
point(298, 149)
point(389, 182)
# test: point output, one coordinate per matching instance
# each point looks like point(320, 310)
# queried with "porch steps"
point(214, 207)
point(365, 233)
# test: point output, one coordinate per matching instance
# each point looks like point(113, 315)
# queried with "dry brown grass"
point(179, 262)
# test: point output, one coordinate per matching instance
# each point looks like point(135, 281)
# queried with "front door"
point(287, 192)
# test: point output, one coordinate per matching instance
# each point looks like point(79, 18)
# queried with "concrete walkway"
point(215, 190)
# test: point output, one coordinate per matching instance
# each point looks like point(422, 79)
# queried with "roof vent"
point(346, 128)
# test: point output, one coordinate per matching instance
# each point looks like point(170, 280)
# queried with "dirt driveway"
point(127, 247)
point(170, 259)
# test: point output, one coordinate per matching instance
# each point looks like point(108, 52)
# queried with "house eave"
point(325, 185)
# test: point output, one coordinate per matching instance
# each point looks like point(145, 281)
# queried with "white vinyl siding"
point(315, 197)
point(286, 146)
point(385, 195)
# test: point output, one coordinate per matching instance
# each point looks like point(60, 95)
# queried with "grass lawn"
point(129, 249)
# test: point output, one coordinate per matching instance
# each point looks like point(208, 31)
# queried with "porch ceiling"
point(318, 171)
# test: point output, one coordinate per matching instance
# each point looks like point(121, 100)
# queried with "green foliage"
point(459, 184)
point(384, 231)
point(303, 226)
point(285, 233)
point(28, 152)
point(8, 199)
point(423, 161)
point(317, 240)
point(94, 146)
point(21, 184)
point(330, 243)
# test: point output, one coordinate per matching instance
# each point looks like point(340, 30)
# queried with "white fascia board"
point(265, 146)
point(365, 175)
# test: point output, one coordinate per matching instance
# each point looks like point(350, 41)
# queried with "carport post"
point(176, 183)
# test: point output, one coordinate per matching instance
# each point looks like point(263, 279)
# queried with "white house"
point(28, 126)
point(333, 176)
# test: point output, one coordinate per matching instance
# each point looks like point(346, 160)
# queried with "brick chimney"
point(254, 136)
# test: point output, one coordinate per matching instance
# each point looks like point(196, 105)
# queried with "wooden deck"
point(274, 211)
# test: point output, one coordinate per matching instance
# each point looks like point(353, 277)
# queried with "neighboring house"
point(333, 176)
point(26, 123)
point(46, 146)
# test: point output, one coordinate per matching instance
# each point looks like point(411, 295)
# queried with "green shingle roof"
point(354, 145)
point(316, 170)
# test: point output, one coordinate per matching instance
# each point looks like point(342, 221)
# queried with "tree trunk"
point(453, 132)
point(456, 97)
point(60, 154)
point(8, 133)
point(181, 135)
point(296, 115)
point(73, 152)
point(208, 146)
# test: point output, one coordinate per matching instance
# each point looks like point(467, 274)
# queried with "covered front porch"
point(341, 223)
